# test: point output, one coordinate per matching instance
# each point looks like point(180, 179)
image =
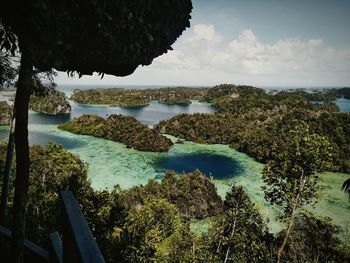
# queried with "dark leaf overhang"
point(86, 36)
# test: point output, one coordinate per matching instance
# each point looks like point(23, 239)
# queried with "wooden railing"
point(76, 245)
point(31, 250)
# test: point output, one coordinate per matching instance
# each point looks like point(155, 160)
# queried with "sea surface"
point(343, 104)
point(111, 163)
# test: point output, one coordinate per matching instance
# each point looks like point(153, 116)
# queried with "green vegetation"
point(291, 176)
point(112, 97)
point(151, 223)
point(193, 194)
point(5, 113)
point(146, 228)
point(296, 138)
point(52, 169)
point(136, 97)
point(240, 234)
point(124, 129)
point(314, 240)
point(184, 95)
point(178, 95)
point(52, 103)
point(319, 94)
point(231, 91)
point(7, 71)
point(343, 92)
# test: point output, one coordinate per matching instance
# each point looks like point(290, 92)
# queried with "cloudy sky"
point(267, 43)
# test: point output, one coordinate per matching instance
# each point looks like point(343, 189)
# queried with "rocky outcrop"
point(124, 129)
point(53, 103)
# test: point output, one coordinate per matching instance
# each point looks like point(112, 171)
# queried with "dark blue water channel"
point(218, 166)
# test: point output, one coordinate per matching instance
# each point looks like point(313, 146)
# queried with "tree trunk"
point(285, 239)
point(292, 218)
point(232, 232)
point(24, 86)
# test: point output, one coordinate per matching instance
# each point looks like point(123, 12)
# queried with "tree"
point(291, 175)
point(7, 51)
point(147, 228)
point(7, 72)
point(112, 37)
point(315, 240)
point(240, 235)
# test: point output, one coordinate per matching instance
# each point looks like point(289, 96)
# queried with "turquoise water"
point(343, 104)
point(148, 115)
point(111, 163)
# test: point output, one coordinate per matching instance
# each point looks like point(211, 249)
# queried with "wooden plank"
point(30, 247)
point(78, 240)
point(55, 251)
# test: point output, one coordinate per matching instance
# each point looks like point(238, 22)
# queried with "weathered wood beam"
point(79, 244)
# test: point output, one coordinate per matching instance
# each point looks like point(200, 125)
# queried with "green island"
point(112, 97)
point(184, 95)
point(134, 97)
point(328, 94)
point(5, 113)
point(253, 122)
point(177, 95)
point(52, 103)
point(124, 129)
point(153, 222)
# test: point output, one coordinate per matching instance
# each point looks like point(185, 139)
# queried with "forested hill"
point(124, 129)
point(53, 103)
point(251, 121)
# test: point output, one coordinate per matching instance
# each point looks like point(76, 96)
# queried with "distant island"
point(53, 103)
point(340, 93)
point(124, 129)
point(184, 95)
point(135, 97)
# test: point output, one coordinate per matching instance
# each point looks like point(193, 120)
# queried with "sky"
point(265, 43)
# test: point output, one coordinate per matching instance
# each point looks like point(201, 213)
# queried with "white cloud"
point(204, 57)
point(203, 31)
point(204, 49)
